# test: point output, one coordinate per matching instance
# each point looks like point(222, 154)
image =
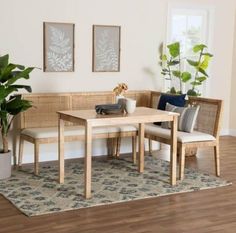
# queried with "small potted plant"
point(10, 105)
point(119, 91)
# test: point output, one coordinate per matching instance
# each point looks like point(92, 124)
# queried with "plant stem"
point(180, 81)
point(169, 70)
point(196, 73)
point(5, 143)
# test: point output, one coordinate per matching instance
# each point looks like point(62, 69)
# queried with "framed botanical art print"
point(58, 43)
point(106, 48)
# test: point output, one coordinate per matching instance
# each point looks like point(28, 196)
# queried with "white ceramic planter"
point(5, 165)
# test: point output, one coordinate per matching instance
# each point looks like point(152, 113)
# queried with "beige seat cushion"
point(52, 132)
point(183, 137)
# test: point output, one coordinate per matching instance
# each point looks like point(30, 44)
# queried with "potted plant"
point(10, 105)
point(172, 68)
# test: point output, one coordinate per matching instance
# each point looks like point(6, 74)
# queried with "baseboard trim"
point(224, 132)
point(232, 132)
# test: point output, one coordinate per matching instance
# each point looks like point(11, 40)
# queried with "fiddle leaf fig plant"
point(200, 66)
point(172, 68)
point(10, 103)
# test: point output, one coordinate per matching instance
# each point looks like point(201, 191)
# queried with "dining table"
point(90, 119)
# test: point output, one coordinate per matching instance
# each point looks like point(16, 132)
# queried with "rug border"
point(228, 183)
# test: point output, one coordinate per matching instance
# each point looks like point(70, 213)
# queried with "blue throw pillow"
point(177, 100)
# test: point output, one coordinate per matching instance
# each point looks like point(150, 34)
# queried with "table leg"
point(173, 151)
point(88, 160)
point(141, 146)
point(61, 149)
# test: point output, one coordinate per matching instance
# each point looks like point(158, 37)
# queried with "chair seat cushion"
point(183, 137)
point(52, 132)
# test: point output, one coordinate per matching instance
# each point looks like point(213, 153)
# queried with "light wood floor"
point(202, 211)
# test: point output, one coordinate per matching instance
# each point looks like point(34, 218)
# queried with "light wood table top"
point(141, 114)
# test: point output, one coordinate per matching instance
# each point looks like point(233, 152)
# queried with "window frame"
point(192, 9)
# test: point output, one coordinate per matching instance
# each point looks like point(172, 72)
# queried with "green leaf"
point(23, 74)
point(26, 87)
point(164, 57)
point(196, 83)
point(172, 90)
point(8, 72)
point(4, 61)
point(192, 92)
point(17, 105)
point(173, 63)
point(199, 47)
point(201, 79)
point(165, 70)
point(204, 64)
point(186, 76)
point(174, 49)
point(5, 92)
point(193, 63)
point(176, 73)
point(208, 54)
point(202, 71)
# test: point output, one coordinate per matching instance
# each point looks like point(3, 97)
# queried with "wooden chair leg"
point(181, 162)
point(36, 158)
point(150, 146)
point(20, 155)
point(217, 160)
point(118, 143)
point(134, 149)
point(114, 146)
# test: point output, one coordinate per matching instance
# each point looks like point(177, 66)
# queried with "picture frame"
point(106, 48)
point(58, 47)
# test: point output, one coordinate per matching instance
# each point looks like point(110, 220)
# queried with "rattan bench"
point(39, 124)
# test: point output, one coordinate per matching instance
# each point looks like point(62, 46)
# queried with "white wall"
point(233, 89)
point(143, 28)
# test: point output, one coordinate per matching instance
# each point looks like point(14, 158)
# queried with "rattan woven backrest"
point(142, 97)
point(209, 116)
point(43, 113)
point(155, 96)
point(88, 100)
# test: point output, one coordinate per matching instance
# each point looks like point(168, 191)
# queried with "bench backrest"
point(209, 116)
point(43, 114)
point(143, 98)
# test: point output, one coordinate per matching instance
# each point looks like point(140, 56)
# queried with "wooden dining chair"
point(205, 134)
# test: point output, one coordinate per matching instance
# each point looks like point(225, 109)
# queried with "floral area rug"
point(113, 181)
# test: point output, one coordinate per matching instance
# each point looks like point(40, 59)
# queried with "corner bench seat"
point(39, 125)
point(182, 137)
point(52, 132)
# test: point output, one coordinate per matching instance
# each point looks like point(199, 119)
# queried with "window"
point(189, 26)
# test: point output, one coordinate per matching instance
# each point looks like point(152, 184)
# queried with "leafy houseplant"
point(172, 64)
point(10, 103)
